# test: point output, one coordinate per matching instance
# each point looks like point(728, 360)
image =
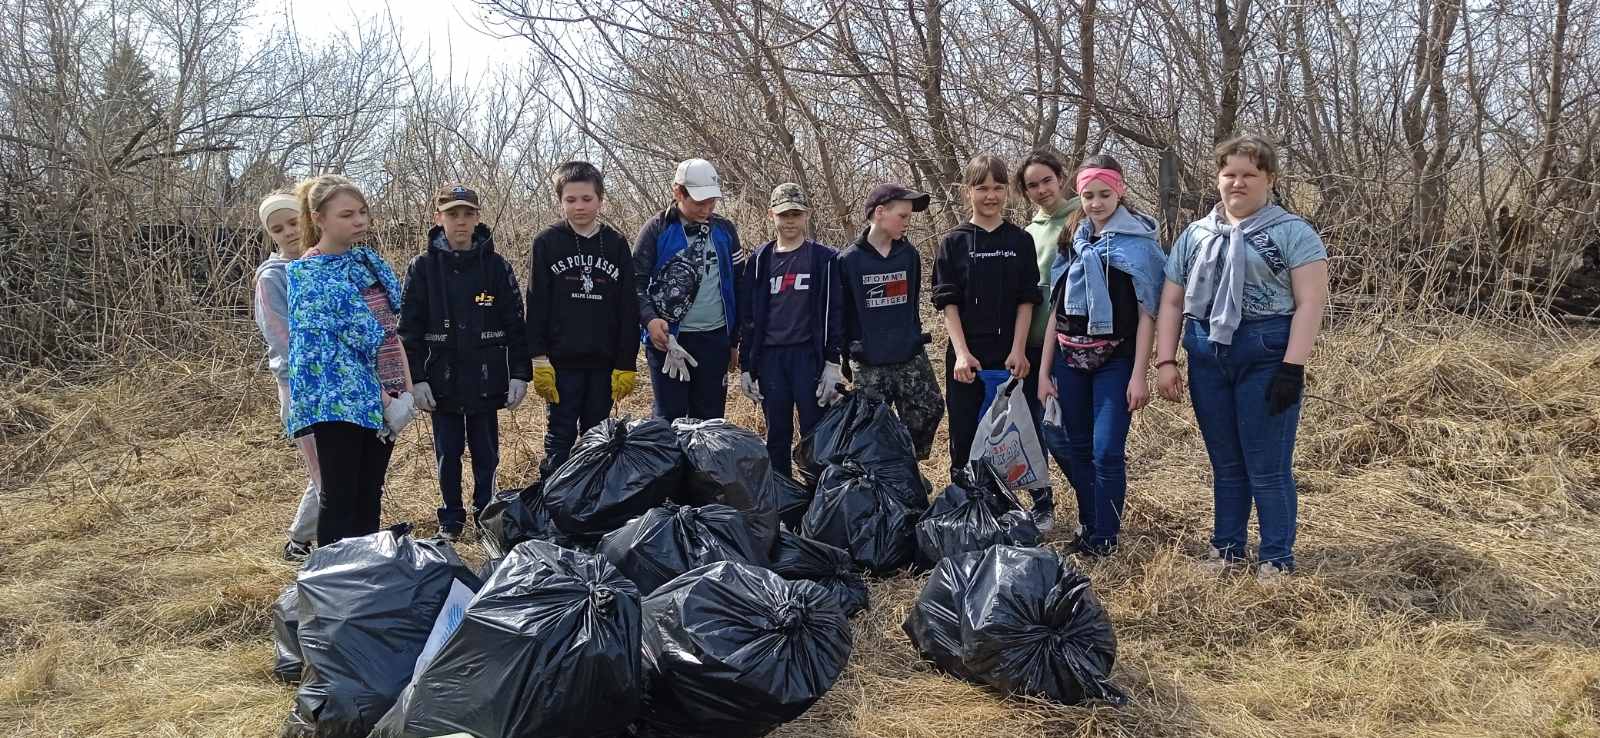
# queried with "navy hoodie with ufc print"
point(826, 308)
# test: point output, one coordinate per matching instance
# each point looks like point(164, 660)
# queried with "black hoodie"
point(882, 324)
point(987, 274)
point(582, 309)
point(461, 323)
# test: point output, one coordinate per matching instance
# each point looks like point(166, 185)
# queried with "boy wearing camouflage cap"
point(793, 334)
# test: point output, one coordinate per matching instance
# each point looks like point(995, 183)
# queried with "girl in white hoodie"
point(280, 218)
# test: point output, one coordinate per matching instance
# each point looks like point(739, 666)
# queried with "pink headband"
point(1111, 177)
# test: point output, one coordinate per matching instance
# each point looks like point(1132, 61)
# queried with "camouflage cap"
point(455, 195)
point(788, 196)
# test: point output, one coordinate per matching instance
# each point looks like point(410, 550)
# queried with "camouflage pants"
point(911, 389)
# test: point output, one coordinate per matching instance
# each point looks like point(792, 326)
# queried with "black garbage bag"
point(798, 557)
point(618, 470)
point(287, 666)
point(367, 606)
point(792, 497)
point(549, 647)
point(1031, 624)
point(975, 512)
point(665, 542)
point(735, 650)
point(517, 515)
point(934, 622)
point(867, 431)
point(728, 465)
point(856, 510)
point(486, 569)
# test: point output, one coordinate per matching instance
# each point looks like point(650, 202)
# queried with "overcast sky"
point(449, 29)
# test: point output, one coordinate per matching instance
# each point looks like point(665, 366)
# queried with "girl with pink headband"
point(280, 218)
point(1102, 324)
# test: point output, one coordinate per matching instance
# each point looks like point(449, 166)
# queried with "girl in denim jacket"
point(1101, 326)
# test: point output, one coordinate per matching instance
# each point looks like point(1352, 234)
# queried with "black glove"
point(1285, 388)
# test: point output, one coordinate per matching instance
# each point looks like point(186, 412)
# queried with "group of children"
point(1072, 305)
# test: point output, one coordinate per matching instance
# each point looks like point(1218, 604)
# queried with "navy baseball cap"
point(888, 192)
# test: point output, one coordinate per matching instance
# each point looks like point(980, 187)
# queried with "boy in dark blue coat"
point(793, 332)
point(462, 325)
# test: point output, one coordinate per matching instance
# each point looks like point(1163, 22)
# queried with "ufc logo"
point(783, 282)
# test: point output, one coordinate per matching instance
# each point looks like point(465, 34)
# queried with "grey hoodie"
point(272, 313)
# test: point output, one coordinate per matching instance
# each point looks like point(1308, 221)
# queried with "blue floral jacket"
point(334, 339)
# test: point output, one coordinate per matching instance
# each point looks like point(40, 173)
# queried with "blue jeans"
point(1094, 422)
point(788, 376)
point(1252, 452)
point(453, 434)
point(704, 396)
point(585, 401)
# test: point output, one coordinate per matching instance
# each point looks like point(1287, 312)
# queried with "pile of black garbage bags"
point(666, 581)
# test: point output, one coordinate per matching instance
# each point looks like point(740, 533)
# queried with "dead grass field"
point(1449, 553)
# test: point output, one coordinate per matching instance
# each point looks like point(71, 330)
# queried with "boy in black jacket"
point(462, 327)
point(582, 313)
point(882, 278)
point(793, 332)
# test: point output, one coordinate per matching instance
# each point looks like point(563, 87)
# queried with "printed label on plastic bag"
point(450, 617)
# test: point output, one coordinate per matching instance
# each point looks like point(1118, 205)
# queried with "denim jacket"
point(1128, 244)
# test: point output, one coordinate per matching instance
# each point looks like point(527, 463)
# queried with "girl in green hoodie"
point(1044, 180)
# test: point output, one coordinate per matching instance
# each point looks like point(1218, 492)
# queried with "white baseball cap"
point(699, 178)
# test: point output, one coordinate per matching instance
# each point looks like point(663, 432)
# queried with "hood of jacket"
point(895, 246)
point(1128, 223)
point(482, 241)
point(1069, 205)
point(275, 262)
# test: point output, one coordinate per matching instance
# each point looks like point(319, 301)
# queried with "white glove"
point(751, 387)
point(678, 361)
point(828, 387)
point(399, 413)
point(423, 394)
point(515, 395)
point(1052, 413)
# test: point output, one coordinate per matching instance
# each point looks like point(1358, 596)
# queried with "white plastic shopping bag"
point(1006, 437)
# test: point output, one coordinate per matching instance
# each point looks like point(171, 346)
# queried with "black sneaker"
point(1093, 551)
point(1044, 519)
point(450, 534)
point(296, 551)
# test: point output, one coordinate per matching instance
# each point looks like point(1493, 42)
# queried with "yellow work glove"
point(544, 380)
point(621, 384)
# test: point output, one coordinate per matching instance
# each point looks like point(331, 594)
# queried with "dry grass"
point(1450, 558)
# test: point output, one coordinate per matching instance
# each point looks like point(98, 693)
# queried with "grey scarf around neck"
point(1215, 291)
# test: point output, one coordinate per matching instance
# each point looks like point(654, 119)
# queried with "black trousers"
point(962, 401)
point(354, 462)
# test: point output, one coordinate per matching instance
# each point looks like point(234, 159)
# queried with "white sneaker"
point(1215, 563)
point(1271, 574)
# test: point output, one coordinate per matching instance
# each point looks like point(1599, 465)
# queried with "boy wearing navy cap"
point(882, 278)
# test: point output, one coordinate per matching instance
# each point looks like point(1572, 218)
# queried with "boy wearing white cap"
point(280, 218)
point(687, 263)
